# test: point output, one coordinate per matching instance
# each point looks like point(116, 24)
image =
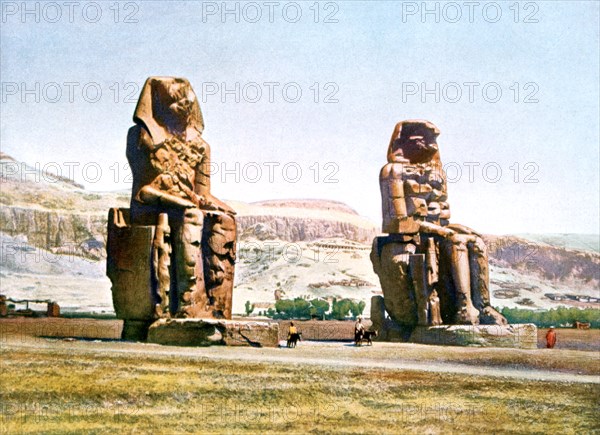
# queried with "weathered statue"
point(433, 309)
point(192, 233)
point(161, 264)
point(424, 256)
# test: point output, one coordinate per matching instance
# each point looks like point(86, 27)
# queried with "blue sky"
point(369, 64)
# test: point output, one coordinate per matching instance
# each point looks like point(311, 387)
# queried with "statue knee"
point(193, 216)
point(479, 246)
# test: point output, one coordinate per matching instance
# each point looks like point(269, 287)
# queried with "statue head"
point(415, 141)
point(168, 106)
point(222, 235)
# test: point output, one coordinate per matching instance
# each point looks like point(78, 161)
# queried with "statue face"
point(182, 97)
point(417, 148)
point(415, 141)
point(168, 108)
point(173, 103)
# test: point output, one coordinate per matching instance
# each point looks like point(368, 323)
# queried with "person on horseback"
point(293, 336)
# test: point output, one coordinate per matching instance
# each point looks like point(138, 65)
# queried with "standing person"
point(550, 338)
point(359, 330)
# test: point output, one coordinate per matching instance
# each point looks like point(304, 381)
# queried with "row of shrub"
point(344, 309)
point(557, 317)
point(299, 308)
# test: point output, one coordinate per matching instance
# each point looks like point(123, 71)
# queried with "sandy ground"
point(332, 355)
point(101, 337)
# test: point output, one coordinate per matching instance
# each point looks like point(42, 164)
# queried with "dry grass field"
point(58, 386)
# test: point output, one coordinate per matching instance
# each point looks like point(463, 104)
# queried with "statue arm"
point(431, 228)
point(212, 203)
point(202, 185)
point(157, 191)
point(202, 179)
point(151, 195)
point(462, 229)
point(392, 186)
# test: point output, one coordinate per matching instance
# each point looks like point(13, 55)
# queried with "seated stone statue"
point(423, 252)
point(193, 248)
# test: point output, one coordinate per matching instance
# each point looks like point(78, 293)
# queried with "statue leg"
point(466, 313)
point(418, 274)
point(219, 251)
point(188, 264)
point(434, 309)
point(478, 263)
point(396, 283)
point(378, 316)
point(480, 284)
point(161, 264)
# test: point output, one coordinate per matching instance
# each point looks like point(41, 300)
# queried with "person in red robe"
point(550, 338)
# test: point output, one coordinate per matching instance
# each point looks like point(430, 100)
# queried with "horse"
point(293, 339)
point(368, 335)
point(581, 325)
point(361, 335)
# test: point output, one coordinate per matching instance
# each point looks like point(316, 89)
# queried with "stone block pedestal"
point(523, 336)
point(209, 332)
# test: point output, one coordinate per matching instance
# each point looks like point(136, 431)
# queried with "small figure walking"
point(359, 331)
point(550, 338)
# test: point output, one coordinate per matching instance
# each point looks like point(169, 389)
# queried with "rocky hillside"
point(303, 220)
point(57, 214)
point(53, 233)
point(548, 262)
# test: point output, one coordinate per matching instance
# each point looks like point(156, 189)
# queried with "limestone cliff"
point(46, 213)
point(57, 214)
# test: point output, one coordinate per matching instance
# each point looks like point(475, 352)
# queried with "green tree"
point(553, 317)
point(361, 307)
point(340, 309)
point(319, 308)
point(284, 308)
point(293, 309)
point(301, 309)
point(249, 308)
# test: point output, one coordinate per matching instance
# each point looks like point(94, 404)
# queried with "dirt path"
point(336, 355)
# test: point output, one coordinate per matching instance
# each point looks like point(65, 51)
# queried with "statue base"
point(212, 332)
point(135, 330)
point(521, 336)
